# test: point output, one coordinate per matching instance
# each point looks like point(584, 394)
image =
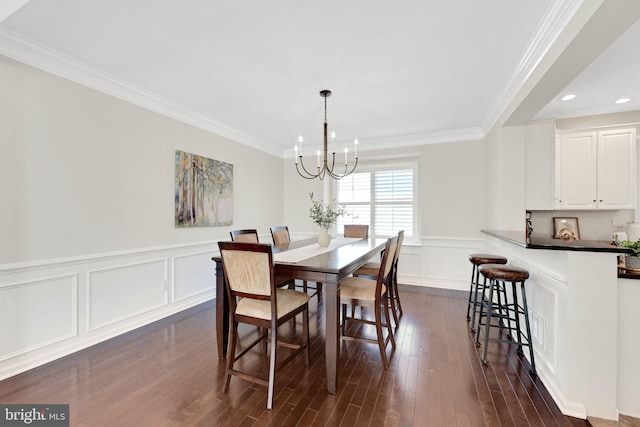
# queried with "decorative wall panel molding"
point(51, 308)
point(122, 292)
point(37, 313)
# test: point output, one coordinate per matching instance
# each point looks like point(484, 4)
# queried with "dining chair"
point(255, 299)
point(357, 291)
point(280, 235)
point(245, 236)
point(356, 230)
point(370, 269)
point(250, 235)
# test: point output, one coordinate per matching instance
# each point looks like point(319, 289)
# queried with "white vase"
point(323, 238)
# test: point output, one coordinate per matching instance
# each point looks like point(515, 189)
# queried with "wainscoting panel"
point(37, 313)
point(122, 292)
point(89, 299)
point(547, 292)
point(441, 262)
point(193, 274)
point(52, 308)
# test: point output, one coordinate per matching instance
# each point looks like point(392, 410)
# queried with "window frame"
point(387, 165)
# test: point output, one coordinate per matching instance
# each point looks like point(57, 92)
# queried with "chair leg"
point(383, 352)
point(305, 333)
point(265, 337)
point(344, 319)
point(476, 285)
point(487, 326)
point(526, 321)
point(272, 365)
point(391, 298)
point(395, 292)
point(231, 354)
point(472, 285)
point(516, 318)
point(389, 329)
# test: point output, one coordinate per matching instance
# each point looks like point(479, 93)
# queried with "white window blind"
point(382, 196)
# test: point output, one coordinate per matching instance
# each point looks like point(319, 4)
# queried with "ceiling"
point(613, 75)
point(416, 70)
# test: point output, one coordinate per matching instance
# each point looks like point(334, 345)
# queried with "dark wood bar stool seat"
point(508, 310)
point(478, 287)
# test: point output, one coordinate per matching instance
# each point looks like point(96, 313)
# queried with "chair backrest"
point(396, 257)
point(280, 235)
point(398, 248)
point(385, 274)
point(248, 269)
point(388, 258)
point(245, 236)
point(356, 230)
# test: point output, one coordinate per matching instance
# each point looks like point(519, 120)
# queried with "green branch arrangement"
point(325, 215)
point(629, 244)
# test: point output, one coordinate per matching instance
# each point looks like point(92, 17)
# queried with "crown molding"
point(553, 24)
point(8, 7)
point(415, 140)
point(62, 65)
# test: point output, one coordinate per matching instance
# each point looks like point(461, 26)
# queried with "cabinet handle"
point(595, 201)
point(600, 200)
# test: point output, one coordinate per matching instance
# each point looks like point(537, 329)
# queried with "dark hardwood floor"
point(168, 374)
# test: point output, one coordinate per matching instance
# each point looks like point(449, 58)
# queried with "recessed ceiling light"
point(623, 100)
point(568, 97)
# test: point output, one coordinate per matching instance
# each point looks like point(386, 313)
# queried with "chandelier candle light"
point(323, 166)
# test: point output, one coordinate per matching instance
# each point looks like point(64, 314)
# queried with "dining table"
point(306, 260)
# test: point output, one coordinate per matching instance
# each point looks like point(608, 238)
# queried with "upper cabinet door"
point(617, 176)
point(578, 171)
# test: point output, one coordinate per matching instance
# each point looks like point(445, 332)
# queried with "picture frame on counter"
point(566, 228)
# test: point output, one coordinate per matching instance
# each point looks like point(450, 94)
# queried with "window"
point(382, 195)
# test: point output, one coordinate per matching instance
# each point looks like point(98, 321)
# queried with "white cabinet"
point(596, 170)
point(617, 169)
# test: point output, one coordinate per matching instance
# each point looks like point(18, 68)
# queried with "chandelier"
point(324, 166)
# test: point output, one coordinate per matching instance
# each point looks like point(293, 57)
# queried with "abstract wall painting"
point(204, 191)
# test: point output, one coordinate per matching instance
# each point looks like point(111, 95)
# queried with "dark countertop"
point(542, 241)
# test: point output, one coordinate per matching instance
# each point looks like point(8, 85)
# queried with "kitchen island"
point(580, 341)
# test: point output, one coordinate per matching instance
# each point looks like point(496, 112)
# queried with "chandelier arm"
point(333, 164)
point(308, 175)
point(346, 172)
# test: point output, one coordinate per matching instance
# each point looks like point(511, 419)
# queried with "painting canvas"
point(204, 191)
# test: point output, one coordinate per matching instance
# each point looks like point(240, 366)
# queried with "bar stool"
point(507, 312)
point(476, 286)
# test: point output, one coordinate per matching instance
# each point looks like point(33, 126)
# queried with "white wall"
point(84, 173)
point(505, 178)
point(89, 249)
point(452, 198)
point(628, 347)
